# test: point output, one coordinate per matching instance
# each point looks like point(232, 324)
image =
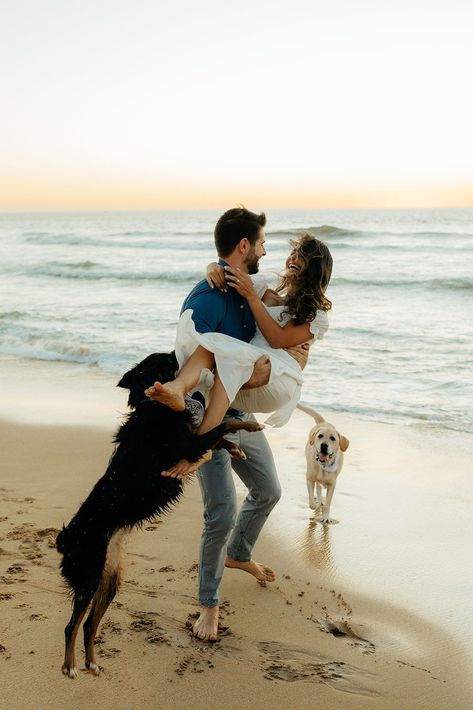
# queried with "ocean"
point(105, 289)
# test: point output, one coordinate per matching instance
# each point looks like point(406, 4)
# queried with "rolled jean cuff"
point(238, 557)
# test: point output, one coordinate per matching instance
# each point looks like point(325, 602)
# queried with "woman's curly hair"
point(304, 294)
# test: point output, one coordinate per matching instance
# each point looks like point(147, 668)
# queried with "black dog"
point(132, 490)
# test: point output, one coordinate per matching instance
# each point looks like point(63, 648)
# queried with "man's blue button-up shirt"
point(217, 312)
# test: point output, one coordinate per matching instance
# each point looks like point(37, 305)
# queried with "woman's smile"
point(293, 265)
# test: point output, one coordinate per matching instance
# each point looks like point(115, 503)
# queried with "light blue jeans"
point(223, 532)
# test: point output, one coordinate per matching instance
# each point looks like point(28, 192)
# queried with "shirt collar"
point(222, 262)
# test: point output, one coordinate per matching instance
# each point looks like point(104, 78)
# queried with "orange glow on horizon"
point(82, 194)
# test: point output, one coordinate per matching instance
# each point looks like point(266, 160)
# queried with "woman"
point(293, 314)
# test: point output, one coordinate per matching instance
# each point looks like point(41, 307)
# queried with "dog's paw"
point(93, 668)
point(70, 671)
point(237, 453)
point(326, 519)
point(253, 426)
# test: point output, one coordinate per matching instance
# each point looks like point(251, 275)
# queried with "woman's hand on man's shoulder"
point(216, 277)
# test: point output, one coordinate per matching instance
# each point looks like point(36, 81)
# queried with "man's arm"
point(262, 368)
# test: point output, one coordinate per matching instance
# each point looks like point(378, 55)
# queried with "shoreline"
point(315, 634)
point(99, 397)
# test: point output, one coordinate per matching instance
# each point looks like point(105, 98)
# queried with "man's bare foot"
point(206, 626)
point(262, 573)
point(169, 394)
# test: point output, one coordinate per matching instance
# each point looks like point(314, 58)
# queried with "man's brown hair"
point(235, 225)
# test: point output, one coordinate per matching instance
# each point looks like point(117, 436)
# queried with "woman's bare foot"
point(262, 573)
point(206, 626)
point(169, 394)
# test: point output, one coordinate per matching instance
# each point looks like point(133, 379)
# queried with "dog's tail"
point(311, 412)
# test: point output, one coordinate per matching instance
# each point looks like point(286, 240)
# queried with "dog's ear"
point(312, 435)
point(344, 443)
point(127, 379)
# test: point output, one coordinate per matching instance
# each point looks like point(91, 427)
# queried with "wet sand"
point(370, 612)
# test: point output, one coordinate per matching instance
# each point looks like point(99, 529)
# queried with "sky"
point(171, 104)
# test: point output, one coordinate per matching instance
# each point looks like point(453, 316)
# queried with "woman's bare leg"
point(214, 414)
point(218, 405)
point(172, 393)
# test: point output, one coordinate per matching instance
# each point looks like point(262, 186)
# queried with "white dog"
point(324, 454)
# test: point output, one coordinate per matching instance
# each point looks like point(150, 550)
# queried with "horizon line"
point(137, 210)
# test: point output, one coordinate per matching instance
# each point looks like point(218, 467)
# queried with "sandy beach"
point(373, 611)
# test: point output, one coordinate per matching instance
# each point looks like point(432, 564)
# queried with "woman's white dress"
point(234, 360)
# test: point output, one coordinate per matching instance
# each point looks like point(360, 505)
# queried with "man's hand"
point(300, 353)
point(261, 373)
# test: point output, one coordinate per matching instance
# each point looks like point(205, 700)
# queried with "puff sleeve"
point(260, 283)
point(319, 326)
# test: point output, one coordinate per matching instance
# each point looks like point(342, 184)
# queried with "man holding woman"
point(228, 539)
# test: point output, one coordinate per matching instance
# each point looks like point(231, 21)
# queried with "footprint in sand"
point(154, 633)
point(9, 580)
point(15, 499)
point(108, 626)
point(342, 629)
point(111, 626)
point(37, 617)
point(294, 663)
point(29, 532)
point(193, 664)
point(31, 551)
point(14, 574)
point(225, 609)
point(16, 569)
point(108, 652)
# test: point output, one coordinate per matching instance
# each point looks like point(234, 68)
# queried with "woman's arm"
point(276, 335)
point(216, 279)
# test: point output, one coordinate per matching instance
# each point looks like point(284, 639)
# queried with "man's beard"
point(252, 262)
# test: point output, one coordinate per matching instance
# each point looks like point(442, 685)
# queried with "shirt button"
point(244, 326)
point(242, 306)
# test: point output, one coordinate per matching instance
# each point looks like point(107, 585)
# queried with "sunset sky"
point(152, 104)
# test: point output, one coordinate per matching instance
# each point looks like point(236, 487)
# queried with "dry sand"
point(344, 626)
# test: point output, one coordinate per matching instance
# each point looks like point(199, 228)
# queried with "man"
point(228, 540)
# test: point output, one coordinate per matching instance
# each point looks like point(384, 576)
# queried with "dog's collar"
point(328, 466)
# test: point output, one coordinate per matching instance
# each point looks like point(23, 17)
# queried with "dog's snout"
point(324, 448)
